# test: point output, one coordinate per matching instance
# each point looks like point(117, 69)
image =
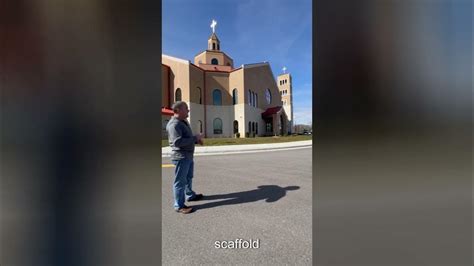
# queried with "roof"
point(175, 59)
point(271, 111)
point(166, 111)
point(214, 36)
point(216, 67)
point(256, 65)
point(215, 70)
point(216, 52)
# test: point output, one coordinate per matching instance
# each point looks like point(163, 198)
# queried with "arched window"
point(250, 126)
point(200, 126)
point(214, 61)
point(253, 126)
point(236, 126)
point(217, 97)
point(256, 100)
point(218, 48)
point(213, 46)
point(177, 95)
point(268, 96)
point(250, 97)
point(217, 126)
point(256, 128)
point(234, 97)
point(199, 95)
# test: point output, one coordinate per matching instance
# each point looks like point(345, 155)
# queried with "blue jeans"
point(183, 181)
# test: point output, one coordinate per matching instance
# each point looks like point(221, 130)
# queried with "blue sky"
point(250, 31)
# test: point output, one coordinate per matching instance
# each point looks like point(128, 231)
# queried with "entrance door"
point(236, 126)
point(281, 125)
point(268, 127)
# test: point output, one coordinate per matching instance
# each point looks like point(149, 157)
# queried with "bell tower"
point(213, 43)
point(213, 58)
point(285, 87)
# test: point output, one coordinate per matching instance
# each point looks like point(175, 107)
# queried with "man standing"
point(182, 140)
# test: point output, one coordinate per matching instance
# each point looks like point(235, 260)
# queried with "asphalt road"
point(265, 196)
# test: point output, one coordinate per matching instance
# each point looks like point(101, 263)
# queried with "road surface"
point(253, 196)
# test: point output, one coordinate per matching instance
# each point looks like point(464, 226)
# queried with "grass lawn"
point(257, 140)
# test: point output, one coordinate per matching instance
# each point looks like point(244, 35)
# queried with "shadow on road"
point(269, 193)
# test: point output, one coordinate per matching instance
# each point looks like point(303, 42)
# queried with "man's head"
point(180, 110)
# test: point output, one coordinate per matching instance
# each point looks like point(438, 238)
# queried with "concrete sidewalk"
point(229, 149)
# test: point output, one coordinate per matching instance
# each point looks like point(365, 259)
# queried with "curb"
point(244, 148)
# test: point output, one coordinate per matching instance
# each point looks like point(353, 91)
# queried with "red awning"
point(166, 111)
point(271, 111)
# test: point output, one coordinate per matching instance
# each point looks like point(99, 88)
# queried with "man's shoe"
point(185, 210)
point(196, 197)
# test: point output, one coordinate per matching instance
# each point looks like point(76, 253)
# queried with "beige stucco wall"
point(210, 54)
point(196, 81)
point(236, 81)
point(179, 77)
point(253, 114)
point(217, 80)
point(239, 115)
point(196, 114)
point(228, 61)
point(200, 59)
point(289, 112)
point(206, 57)
point(258, 79)
point(226, 114)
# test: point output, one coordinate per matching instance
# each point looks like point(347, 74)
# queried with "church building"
point(224, 100)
